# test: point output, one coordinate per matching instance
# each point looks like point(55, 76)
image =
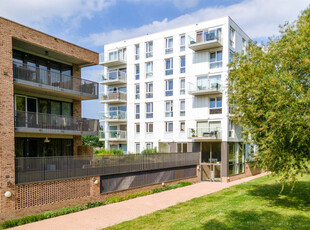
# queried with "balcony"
point(113, 116)
point(113, 98)
point(112, 59)
point(32, 122)
point(209, 88)
point(53, 83)
point(207, 133)
point(205, 41)
point(113, 78)
point(115, 135)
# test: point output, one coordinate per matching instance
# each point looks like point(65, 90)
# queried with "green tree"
point(269, 92)
point(92, 141)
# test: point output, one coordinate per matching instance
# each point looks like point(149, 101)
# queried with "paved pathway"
point(104, 216)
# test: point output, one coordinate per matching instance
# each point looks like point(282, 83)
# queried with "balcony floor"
point(54, 131)
point(205, 45)
point(204, 92)
point(113, 82)
point(113, 63)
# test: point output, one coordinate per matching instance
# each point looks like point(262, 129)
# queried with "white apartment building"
point(169, 90)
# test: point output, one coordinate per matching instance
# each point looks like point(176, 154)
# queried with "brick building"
point(40, 109)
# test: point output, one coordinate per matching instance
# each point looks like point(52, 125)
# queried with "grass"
point(67, 210)
point(253, 205)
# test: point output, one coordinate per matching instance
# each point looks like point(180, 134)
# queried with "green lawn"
point(252, 205)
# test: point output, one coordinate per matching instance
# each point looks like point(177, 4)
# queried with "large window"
point(149, 49)
point(149, 145)
point(137, 51)
point(182, 42)
point(169, 66)
point(182, 126)
point(182, 108)
point(137, 147)
point(216, 59)
point(137, 67)
point(149, 69)
point(149, 90)
point(169, 126)
point(216, 105)
point(149, 127)
point(137, 129)
point(169, 45)
point(137, 86)
point(169, 109)
point(182, 64)
point(149, 110)
point(169, 88)
point(232, 36)
point(137, 111)
point(236, 158)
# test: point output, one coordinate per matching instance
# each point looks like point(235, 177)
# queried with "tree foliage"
point(269, 92)
point(92, 141)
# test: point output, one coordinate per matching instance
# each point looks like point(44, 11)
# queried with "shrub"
point(108, 152)
point(149, 151)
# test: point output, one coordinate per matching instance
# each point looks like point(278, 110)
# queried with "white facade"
point(204, 87)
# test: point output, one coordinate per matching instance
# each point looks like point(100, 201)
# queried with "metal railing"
point(38, 169)
point(120, 96)
point(55, 79)
point(214, 85)
point(205, 133)
point(112, 56)
point(113, 135)
point(113, 76)
point(33, 120)
point(113, 115)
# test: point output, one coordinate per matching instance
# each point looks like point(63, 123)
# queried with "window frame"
point(149, 114)
point(137, 71)
point(137, 91)
point(216, 63)
point(148, 92)
point(167, 125)
point(169, 112)
point(137, 51)
point(148, 74)
point(169, 70)
point(149, 49)
point(182, 68)
point(182, 46)
point(137, 107)
point(182, 112)
point(168, 49)
point(168, 91)
point(149, 127)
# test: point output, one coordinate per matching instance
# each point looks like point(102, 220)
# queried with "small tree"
point(270, 97)
point(92, 141)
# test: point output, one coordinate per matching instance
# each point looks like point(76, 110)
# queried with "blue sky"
point(93, 23)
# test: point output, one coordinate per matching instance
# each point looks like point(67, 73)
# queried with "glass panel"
point(66, 109)
point(20, 103)
point(55, 108)
point(212, 103)
point(205, 152)
point(216, 152)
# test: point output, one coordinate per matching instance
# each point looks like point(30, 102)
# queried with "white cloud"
point(258, 18)
point(40, 13)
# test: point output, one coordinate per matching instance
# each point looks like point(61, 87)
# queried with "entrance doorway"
point(211, 161)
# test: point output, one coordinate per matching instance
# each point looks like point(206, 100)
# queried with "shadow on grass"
point(298, 198)
point(249, 220)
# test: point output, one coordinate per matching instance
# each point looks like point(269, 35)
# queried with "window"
point(137, 86)
point(231, 129)
point(137, 147)
point(244, 45)
point(216, 105)
point(149, 127)
point(137, 71)
point(231, 55)
point(149, 90)
point(182, 147)
point(182, 42)
point(149, 110)
point(169, 45)
point(137, 48)
point(137, 111)
point(169, 126)
point(169, 88)
point(216, 59)
point(169, 109)
point(182, 108)
point(149, 69)
point(182, 86)
point(169, 66)
point(236, 158)
point(137, 128)
point(149, 145)
point(182, 126)
point(182, 64)
point(232, 35)
point(211, 82)
point(149, 49)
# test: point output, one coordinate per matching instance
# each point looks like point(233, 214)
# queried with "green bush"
point(149, 151)
point(64, 211)
point(108, 152)
point(173, 186)
point(22, 221)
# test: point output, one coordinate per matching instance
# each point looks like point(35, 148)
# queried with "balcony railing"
point(113, 77)
point(113, 135)
point(113, 97)
point(38, 169)
point(51, 123)
point(205, 133)
point(205, 89)
point(112, 59)
point(113, 115)
point(52, 80)
point(205, 40)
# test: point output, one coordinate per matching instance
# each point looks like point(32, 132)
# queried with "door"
point(211, 161)
point(32, 115)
